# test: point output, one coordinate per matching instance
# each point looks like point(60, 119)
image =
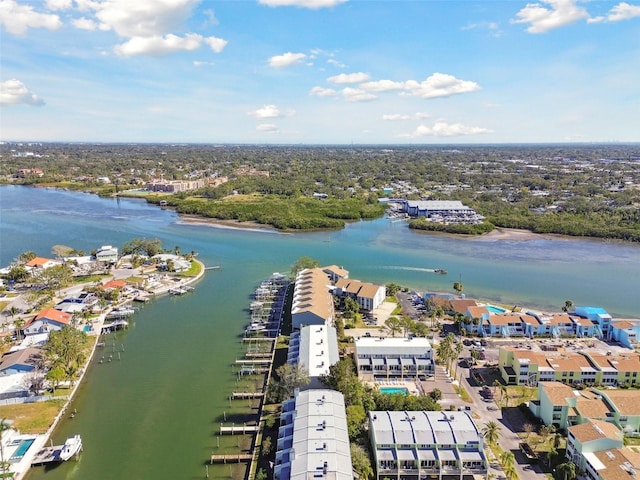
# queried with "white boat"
point(71, 447)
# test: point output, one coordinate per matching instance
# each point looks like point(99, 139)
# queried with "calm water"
point(154, 413)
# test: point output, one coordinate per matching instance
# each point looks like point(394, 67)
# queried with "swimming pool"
point(493, 309)
point(21, 450)
point(394, 390)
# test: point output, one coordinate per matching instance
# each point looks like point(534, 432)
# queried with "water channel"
point(154, 413)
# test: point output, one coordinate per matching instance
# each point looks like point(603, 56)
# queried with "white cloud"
point(313, 4)
point(199, 63)
point(623, 11)
point(286, 59)
point(344, 78)
point(336, 63)
point(357, 95)
point(17, 19)
point(267, 127)
point(84, 23)
point(543, 19)
point(270, 111)
point(401, 117)
point(157, 45)
point(444, 129)
point(216, 44)
point(322, 92)
point(59, 4)
point(144, 18)
point(14, 92)
point(382, 86)
point(440, 85)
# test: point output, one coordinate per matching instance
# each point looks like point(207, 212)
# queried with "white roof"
point(392, 346)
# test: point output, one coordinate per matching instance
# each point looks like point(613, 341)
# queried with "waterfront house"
point(21, 361)
point(314, 348)
point(312, 300)
point(368, 295)
point(421, 444)
point(47, 320)
point(313, 440)
point(180, 263)
point(590, 437)
point(40, 263)
point(626, 332)
point(446, 211)
point(384, 358)
point(599, 317)
point(107, 254)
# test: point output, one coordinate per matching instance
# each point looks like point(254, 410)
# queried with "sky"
point(320, 71)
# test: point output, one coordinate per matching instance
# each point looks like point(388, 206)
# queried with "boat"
point(441, 271)
point(71, 447)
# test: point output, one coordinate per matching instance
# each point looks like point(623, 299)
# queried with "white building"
point(315, 348)
point(313, 441)
point(107, 254)
point(368, 295)
point(389, 357)
point(421, 444)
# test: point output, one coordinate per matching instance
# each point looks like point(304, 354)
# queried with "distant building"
point(335, 272)
point(41, 263)
point(443, 211)
point(175, 186)
point(107, 254)
point(313, 441)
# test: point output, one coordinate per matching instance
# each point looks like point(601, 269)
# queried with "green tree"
point(351, 308)
point(266, 446)
point(303, 263)
point(261, 474)
point(394, 325)
point(491, 432)
point(288, 377)
point(55, 375)
point(27, 256)
point(361, 462)
point(143, 246)
point(568, 306)
point(65, 349)
point(392, 289)
point(17, 274)
point(566, 471)
point(457, 286)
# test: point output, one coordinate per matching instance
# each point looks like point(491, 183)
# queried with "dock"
point(246, 395)
point(239, 457)
point(258, 339)
point(214, 267)
point(254, 361)
point(241, 429)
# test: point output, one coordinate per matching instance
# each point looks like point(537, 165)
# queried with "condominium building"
point(368, 295)
point(313, 441)
point(526, 367)
point(390, 358)
point(418, 444)
point(314, 348)
point(312, 300)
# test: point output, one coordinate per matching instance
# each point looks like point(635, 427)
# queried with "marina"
point(177, 342)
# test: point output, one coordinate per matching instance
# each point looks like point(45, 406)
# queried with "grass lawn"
point(32, 417)
point(464, 395)
point(3, 305)
point(193, 270)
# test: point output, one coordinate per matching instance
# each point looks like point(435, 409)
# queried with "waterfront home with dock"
point(47, 320)
point(388, 358)
point(312, 300)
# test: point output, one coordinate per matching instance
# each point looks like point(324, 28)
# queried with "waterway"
point(154, 413)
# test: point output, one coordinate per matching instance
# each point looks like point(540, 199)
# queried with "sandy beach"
point(231, 224)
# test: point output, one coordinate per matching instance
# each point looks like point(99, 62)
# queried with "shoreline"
point(189, 219)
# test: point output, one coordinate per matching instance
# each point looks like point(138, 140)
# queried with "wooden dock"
point(259, 354)
point(258, 339)
point(254, 361)
point(47, 455)
point(243, 395)
point(239, 457)
point(240, 429)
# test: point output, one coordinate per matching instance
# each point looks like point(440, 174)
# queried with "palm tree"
point(566, 471)
point(19, 324)
point(458, 350)
point(491, 432)
point(508, 461)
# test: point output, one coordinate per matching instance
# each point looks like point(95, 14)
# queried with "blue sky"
point(320, 71)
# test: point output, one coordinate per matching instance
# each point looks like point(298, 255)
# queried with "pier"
point(237, 458)
point(254, 361)
point(246, 395)
point(241, 429)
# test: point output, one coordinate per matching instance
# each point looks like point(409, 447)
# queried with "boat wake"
point(412, 269)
